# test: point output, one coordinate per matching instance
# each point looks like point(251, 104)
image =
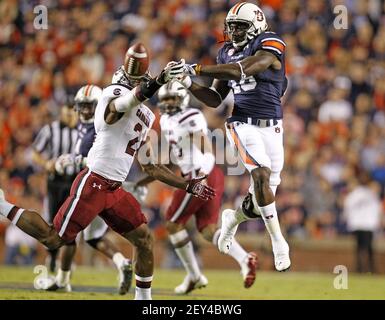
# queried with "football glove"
point(64, 162)
point(173, 70)
point(200, 190)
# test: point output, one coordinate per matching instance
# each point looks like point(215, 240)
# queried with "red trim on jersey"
point(12, 213)
point(188, 116)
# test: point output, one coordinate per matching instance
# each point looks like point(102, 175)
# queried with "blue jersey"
point(86, 137)
point(258, 96)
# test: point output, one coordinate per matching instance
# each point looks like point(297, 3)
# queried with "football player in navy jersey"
point(252, 65)
point(86, 100)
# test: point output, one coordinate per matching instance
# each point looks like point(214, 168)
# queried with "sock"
point(63, 277)
point(240, 215)
point(236, 251)
point(8, 210)
point(143, 288)
point(256, 208)
point(270, 217)
point(118, 260)
point(273, 189)
point(186, 253)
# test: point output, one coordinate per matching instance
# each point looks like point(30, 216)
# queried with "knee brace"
point(250, 207)
point(94, 242)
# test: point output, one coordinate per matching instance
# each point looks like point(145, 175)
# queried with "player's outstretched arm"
point(162, 173)
point(249, 66)
point(145, 90)
point(212, 96)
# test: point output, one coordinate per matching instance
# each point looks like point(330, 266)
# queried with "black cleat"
point(125, 277)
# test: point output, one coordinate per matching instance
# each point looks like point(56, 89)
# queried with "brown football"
point(136, 61)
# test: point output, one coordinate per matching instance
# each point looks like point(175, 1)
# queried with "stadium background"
point(334, 109)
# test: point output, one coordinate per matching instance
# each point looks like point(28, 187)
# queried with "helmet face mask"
point(170, 104)
point(86, 109)
point(173, 98)
point(121, 76)
point(237, 31)
point(86, 100)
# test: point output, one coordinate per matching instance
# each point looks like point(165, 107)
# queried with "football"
point(136, 61)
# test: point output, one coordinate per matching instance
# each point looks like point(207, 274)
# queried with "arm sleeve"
point(126, 102)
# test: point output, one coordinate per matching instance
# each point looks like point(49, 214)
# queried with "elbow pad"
point(126, 102)
point(208, 162)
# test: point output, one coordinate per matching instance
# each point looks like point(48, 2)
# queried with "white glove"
point(80, 162)
point(190, 69)
point(65, 162)
point(173, 70)
point(186, 82)
point(140, 193)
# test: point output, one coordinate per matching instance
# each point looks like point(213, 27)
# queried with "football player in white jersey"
point(185, 130)
point(121, 124)
point(86, 100)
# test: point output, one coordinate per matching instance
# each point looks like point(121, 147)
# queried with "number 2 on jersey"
point(131, 149)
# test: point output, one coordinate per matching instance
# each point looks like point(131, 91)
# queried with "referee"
point(53, 140)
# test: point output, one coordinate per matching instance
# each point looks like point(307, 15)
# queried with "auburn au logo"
point(259, 15)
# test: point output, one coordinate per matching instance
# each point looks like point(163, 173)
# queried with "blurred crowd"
point(334, 108)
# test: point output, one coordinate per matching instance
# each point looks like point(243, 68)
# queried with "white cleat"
point(189, 285)
point(281, 257)
point(228, 229)
point(249, 269)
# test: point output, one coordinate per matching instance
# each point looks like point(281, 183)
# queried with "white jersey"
point(177, 128)
point(115, 145)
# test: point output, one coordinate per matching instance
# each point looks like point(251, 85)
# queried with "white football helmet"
point(243, 22)
point(86, 100)
point(121, 76)
point(173, 97)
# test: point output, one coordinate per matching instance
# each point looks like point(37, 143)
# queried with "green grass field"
point(92, 283)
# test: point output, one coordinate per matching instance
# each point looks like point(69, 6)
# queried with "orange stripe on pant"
point(242, 151)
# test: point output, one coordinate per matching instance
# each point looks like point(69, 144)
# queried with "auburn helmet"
point(86, 100)
point(173, 97)
point(243, 22)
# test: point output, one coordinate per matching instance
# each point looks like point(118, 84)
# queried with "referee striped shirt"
point(55, 139)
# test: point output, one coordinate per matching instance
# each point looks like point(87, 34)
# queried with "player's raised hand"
point(173, 70)
point(198, 189)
